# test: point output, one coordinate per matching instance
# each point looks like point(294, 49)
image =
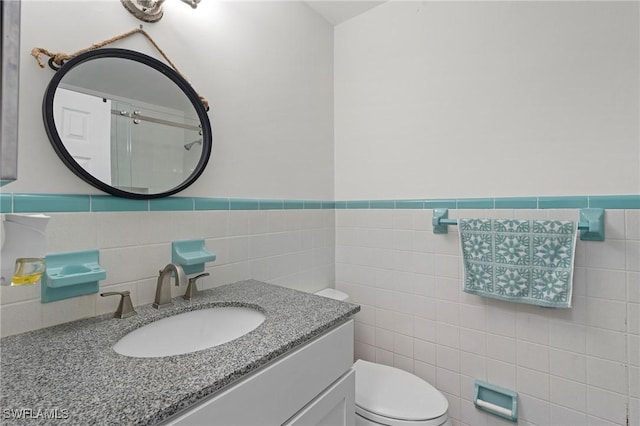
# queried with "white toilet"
point(393, 397)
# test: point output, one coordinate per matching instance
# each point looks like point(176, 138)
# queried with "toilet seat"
point(393, 397)
point(438, 421)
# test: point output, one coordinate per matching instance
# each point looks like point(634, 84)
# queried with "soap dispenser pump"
point(24, 249)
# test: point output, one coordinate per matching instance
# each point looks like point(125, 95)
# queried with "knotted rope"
point(60, 57)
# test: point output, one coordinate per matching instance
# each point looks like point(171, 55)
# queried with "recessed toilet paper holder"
point(496, 400)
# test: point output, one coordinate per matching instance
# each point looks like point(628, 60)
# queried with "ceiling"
point(337, 11)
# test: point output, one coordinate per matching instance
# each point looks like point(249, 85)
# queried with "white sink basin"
point(189, 332)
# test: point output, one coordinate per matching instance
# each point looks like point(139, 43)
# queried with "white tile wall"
point(578, 366)
point(571, 367)
point(292, 248)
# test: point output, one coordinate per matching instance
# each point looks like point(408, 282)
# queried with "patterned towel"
point(527, 261)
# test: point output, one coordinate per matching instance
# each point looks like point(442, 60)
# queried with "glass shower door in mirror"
point(153, 147)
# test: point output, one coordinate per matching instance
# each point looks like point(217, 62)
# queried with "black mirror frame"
point(67, 159)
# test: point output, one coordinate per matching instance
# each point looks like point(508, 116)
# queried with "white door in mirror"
point(85, 129)
point(189, 332)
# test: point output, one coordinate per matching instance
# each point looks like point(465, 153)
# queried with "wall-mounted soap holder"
point(71, 274)
point(191, 255)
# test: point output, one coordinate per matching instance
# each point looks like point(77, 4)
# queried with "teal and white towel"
point(526, 261)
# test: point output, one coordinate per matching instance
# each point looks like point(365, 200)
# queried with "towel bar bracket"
point(594, 221)
point(591, 223)
point(441, 221)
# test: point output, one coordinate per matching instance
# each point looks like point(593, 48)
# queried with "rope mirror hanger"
point(56, 60)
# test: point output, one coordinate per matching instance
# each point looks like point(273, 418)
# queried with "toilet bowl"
point(393, 397)
point(390, 396)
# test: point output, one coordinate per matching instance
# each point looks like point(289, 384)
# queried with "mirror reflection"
point(128, 126)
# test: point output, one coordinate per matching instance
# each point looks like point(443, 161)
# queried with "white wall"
point(266, 69)
point(468, 99)
point(292, 248)
point(490, 99)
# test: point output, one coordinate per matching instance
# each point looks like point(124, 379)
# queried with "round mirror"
point(127, 124)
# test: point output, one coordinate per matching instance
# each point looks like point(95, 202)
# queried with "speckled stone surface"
point(73, 368)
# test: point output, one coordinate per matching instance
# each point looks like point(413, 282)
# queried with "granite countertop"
point(71, 373)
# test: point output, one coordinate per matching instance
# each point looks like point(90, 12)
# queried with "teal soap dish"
point(191, 255)
point(71, 274)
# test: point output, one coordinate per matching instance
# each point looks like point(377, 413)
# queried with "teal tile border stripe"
point(6, 203)
point(293, 204)
point(172, 204)
point(107, 203)
point(212, 203)
point(440, 204)
point(563, 202)
point(244, 204)
point(69, 203)
point(516, 203)
point(476, 203)
point(615, 202)
point(50, 203)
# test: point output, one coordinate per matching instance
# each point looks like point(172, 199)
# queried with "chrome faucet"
point(163, 289)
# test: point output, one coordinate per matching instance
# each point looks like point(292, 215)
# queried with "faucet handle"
point(125, 308)
point(192, 288)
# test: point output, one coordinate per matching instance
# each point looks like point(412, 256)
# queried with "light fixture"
point(192, 3)
point(150, 10)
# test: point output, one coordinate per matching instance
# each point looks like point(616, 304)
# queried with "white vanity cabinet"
point(335, 406)
point(312, 385)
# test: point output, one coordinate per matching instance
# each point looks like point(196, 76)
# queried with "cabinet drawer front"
point(275, 393)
